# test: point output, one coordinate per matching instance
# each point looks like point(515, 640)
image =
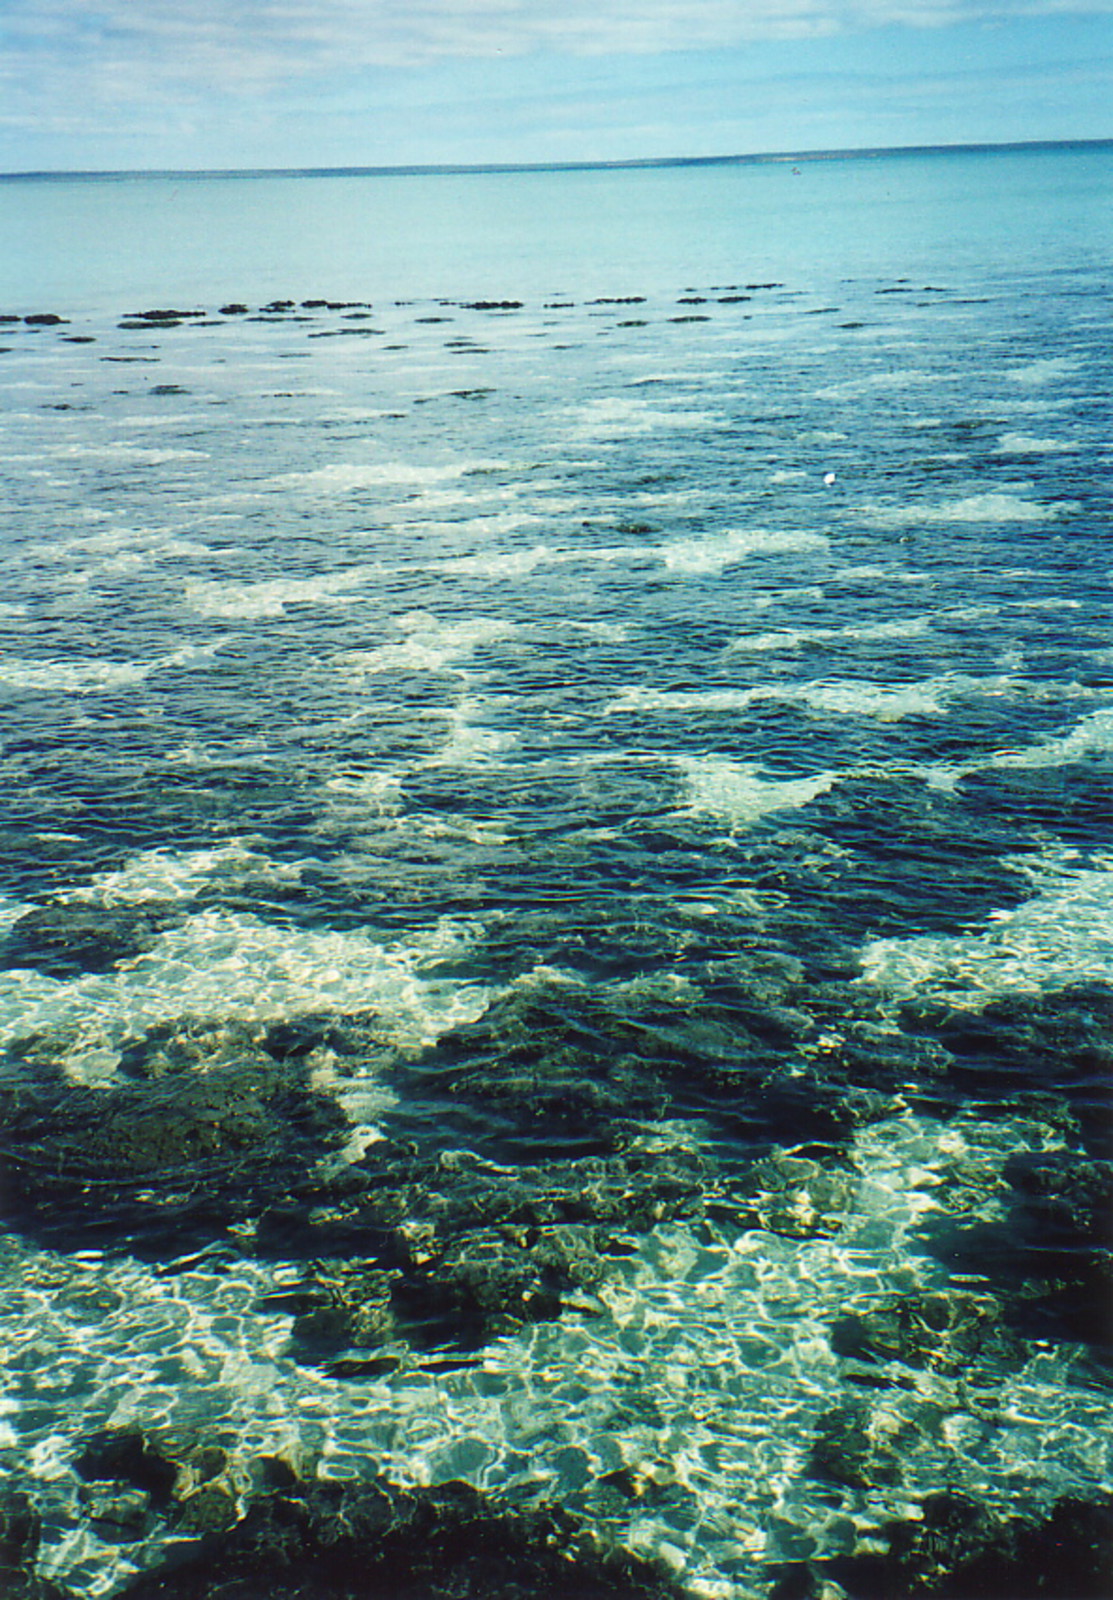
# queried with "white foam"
point(621, 417)
point(164, 419)
point(1043, 406)
point(697, 557)
point(793, 638)
point(640, 698)
point(117, 550)
point(161, 875)
point(345, 477)
point(1047, 370)
point(883, 575)
point(739, 793)
point(428, 646)
point(94, 675)
point(125, 454)
point(841, 697)
point(994, 508)
point(470, 743)
point(896, 378)
point(1092, 736)
point(251, 601)
point(504, 564)
point(355, 794)
point(1063, 935)
point(849, 697)
point(808, 593)
point(684, 557)
point(1024, 444)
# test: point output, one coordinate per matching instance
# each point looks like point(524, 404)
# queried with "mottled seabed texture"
point(557, 937)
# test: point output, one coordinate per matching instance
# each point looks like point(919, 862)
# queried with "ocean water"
point(619, 606)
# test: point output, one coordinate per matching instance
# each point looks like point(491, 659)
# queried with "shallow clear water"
point(410, 656)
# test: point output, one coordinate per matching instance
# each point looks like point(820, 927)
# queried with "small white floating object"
point(828, 478)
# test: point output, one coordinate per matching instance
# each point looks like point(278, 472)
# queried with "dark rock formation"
point(20, 1534)
point(164, 1161)
point(1051, 1256)
point(848, 1449)
point(454, 1251)
point(165, 315)
point(1063, 1220)
point(167, 318)
point(961, 1550)
point(1059, 1043)
point(133, 1474)
point(377, 1542)
point(799, 1198)
point(943, 1331)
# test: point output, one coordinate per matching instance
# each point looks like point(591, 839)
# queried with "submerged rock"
point(134, 1474)
point(856, 1446)
point(64, 940)
point(1062, 1218)
point(799, 1198)
point(118, 1515)
point(959, 1549)
point(20, 1535)
point(577, 1071)
point(1059, 1043)
point(451, 1250)
point(374, 1541)
point(943, 1331)
point(158, 1163)
point(1049, 1249)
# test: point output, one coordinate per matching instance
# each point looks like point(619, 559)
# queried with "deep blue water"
point(643, 587)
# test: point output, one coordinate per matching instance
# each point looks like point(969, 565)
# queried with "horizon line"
point(445, 169)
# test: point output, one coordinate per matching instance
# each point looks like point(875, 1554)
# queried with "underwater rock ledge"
point(375, 1541)
point(959, 1550)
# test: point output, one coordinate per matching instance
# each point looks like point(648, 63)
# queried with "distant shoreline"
point(449, 170)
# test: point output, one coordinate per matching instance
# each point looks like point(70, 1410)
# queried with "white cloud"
point(110, 51)
point(134, 84)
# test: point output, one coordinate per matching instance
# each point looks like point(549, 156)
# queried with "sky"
point(126, 85)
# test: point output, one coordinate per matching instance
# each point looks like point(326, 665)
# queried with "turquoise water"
point(665, 719)
point(106, 244)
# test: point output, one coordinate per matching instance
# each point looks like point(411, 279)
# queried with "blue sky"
point(195, 84)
